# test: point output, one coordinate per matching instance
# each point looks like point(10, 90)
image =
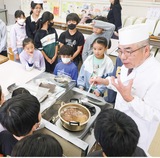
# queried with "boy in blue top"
point(66, 67)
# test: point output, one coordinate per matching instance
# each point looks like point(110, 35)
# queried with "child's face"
point(37, 9)
point(29, 48)
point(21, 20)
point(66, 59)
point(71, 24)
point(99, 50)
point(97, 30)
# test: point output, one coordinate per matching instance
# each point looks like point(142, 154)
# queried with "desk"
point(3, 59)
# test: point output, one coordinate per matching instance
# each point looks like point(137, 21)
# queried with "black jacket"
point(114, 16)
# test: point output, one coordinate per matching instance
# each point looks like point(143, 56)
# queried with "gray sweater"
point(107, 33)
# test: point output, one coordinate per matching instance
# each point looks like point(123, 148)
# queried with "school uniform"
point(7, 142)
point(31, 27)
point(47, 40)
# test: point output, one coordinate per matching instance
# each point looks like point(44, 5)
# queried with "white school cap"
point(133, 34)
point(38, 1)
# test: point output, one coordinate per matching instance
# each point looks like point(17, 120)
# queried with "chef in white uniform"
point(138, 85)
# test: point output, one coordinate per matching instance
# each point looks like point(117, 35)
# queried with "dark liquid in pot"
point(74, 114)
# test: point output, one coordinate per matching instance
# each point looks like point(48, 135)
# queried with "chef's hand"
point(124, 90)
point(98, 80)
point(96, 93)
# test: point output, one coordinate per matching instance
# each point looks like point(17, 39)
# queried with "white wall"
point(129, 7)
point(12, 6)
point(1, 4)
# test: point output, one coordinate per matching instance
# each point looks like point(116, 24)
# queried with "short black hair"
point(37, 145)
point(73, 17)
point(18, 13)
point(116, 132)
point(66, 50)
point(20, 113)
point(19, 90)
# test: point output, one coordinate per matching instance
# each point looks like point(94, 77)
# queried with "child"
point(46, 40)
point(117, 134)
point(18, 34)
point(98, 64)
point(38, 145)
point(31, 21)
point(20, 90)
point(101, 28)
point(31, 57)
point(66, 67)
point(73, 37)
point(20, 115)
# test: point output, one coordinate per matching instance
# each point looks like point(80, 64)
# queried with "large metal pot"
point(73, 116)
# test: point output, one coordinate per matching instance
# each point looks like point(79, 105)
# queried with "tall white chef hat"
point(133, 34)
point(38, 1)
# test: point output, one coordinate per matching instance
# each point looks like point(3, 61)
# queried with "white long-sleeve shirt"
point(144, 109)
point(17, 35)
point(3, 36)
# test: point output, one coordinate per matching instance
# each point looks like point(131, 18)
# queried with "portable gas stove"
point(83, 140)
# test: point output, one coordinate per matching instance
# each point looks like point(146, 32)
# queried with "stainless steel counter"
point(74, 144)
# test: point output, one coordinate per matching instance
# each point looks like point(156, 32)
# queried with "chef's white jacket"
point(144, 109)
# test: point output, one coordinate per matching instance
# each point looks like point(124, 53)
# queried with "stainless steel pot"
point(73, 116)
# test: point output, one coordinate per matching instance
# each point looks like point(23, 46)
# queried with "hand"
point(53, 59)
point(124, 90)
point(116, 33)
point(49, 60)
point(17, 56)
point(98, 80)
point(96, 93)
point(81, 87)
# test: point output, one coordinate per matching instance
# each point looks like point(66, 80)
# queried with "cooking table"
point(13, 72)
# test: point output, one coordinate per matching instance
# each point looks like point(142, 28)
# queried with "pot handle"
point(74, 100)
point(63, 103)
point(74, 123)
